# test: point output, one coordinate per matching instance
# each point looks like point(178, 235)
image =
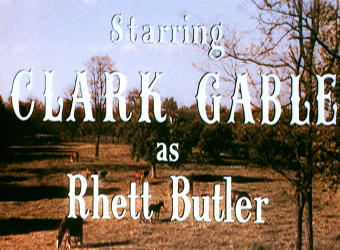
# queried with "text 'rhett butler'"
point(119, 202)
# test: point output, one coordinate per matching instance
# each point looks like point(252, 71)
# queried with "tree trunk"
point(97, 145)
point(300, 202)
point(309, 219)
point(153, 170)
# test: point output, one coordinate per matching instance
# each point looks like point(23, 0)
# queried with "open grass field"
point(34, 199)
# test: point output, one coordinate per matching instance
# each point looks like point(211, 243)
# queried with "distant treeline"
point(183, 125)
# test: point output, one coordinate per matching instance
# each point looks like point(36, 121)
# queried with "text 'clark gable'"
point(241, 86)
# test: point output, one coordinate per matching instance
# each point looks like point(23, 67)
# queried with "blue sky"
point(63, 35)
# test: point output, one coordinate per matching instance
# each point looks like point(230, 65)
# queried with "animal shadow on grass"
point(107, 244)
point(166, 220)
point(24, 226)
point(156, 183)
point(34, 193)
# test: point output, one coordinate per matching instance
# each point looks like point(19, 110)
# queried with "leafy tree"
point(144, 142)
point(143, 136)
point(216, 139)
point(190, 126)
point(126, 129)
point(71, 127)
point(6, 124)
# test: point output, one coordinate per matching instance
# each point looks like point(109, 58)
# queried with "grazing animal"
point(156, 209)
point(70, 227)
point(88, 173)
point(236, 195)
point(139, 208)
point(102, 175)
point(138, 176)
point(181, 186)
point(146, 174)
point(74, 156)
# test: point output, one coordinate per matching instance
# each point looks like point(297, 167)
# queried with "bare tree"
point(96, 67)
point(299, 38)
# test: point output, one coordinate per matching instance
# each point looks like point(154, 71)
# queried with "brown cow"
point(156, 209)
point(139, 208)
point(88, 173)
point(138, 176)
point(181, 186)
point(236, 195)
point(70, 227)
point(74, 156)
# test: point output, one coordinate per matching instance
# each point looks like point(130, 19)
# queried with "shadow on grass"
point(219, 178)
point(7, 178)
point(225, 160)
point(107, 244)
point(34, 193)
point(32, 153)
point(81, 166)
point(166, 220)
point(154, 183)
point(39, 172)
point(13, 226)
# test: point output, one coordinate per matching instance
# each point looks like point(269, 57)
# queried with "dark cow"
point(156, 209)
point(146, 174)
point(102, 175)
point(71, 228)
